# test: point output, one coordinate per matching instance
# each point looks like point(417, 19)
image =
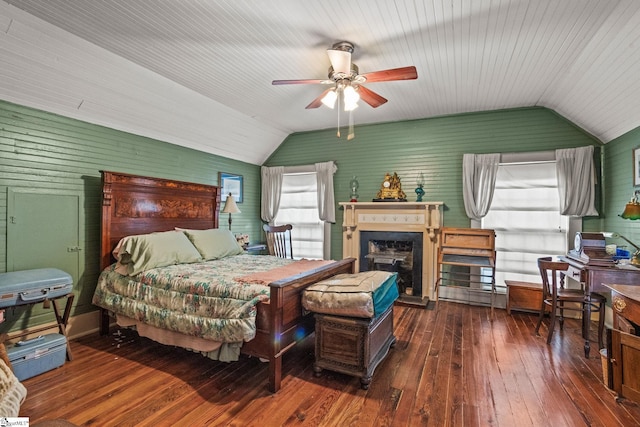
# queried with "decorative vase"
point(354, 184)
point(419, 190)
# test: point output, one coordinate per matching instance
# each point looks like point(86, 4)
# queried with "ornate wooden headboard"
point(133, 204)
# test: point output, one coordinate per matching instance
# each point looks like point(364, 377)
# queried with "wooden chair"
point(279, 240)
point(555, 295)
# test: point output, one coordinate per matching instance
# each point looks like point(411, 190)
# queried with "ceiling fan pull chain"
point(338, 110)
point(351, 133)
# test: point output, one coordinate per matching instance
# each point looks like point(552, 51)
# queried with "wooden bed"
point(134, 204)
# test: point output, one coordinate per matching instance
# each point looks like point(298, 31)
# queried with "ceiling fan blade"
point(318, 101)
point(404, 73)
point(340, 61)
point(370, 97)
point(298, 82)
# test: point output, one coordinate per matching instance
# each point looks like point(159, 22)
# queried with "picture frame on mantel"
point(636, 166)
point(230, 183)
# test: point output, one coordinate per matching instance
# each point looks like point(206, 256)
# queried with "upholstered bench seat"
point(367, 294)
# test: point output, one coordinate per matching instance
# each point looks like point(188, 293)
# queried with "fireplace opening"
point(400, 252)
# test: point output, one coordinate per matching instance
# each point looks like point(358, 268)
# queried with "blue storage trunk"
point(31, 286)
point(35, 356)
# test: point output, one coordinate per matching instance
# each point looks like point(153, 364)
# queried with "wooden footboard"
point(282, 321)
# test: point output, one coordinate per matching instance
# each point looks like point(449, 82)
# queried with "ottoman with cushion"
point(354, 322)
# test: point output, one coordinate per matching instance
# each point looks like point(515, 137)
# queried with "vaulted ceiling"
point(198, 73)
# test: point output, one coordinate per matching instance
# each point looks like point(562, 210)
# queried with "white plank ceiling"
point(198, 73)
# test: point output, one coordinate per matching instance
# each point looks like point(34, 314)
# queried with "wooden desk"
point(595, 279)
point(624, 347)
point(598, 277)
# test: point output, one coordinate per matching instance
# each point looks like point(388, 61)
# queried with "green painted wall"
point(619, 187)
point(432, 146)
point(42, 150)
point(50, 152)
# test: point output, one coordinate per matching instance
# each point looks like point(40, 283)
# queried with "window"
point(299, 207)
point(526, 216)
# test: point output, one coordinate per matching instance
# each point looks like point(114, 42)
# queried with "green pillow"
point(214, 243)
point(145, 251)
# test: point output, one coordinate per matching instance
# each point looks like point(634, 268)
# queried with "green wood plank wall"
point(42, 150)
point(46, 151)
point(618, 164)
point(431, 146)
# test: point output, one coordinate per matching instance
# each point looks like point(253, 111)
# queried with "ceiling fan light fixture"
point(330, 98)
point(340, 57)
point(351, 98)
point(340, 61)
point(350, 106)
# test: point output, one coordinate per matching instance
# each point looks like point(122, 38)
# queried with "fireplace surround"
point(417, 223)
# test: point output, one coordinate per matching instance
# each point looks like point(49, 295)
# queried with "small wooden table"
point(624, 346)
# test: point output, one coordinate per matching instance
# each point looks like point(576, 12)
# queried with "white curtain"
point(326, 200)
point(576, 181)
point(271, 190)
point(478, 181)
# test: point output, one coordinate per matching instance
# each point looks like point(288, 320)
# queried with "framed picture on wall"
point(636, 166)
point(230, 183)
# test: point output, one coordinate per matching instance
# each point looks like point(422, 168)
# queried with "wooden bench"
point(524, 296)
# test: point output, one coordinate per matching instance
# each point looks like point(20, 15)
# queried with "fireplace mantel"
point(423, 217)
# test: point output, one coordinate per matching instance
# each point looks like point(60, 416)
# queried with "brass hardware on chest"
point(619, 304)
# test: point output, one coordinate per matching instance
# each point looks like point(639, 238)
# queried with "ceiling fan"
point(347, 83)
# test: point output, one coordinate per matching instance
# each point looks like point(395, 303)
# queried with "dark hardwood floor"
point(451, 367)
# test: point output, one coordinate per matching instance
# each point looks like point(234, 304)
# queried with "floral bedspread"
point(200, 299)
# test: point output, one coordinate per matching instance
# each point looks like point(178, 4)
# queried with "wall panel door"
point(43, 230)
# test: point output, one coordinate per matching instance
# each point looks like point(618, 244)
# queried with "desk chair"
point(555, 295)
point(279, 240)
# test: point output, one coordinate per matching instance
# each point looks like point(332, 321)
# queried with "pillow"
point(214, 243)
point(146, 251)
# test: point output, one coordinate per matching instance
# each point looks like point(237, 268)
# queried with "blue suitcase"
point(31, 286)
point(37, 355)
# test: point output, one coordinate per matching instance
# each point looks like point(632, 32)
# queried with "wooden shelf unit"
point(467, 260)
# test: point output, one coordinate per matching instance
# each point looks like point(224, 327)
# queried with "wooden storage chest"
point(353, 346)
point(525, 296)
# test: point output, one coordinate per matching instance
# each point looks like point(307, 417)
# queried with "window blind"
point(299, 207)
point(526, 216)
